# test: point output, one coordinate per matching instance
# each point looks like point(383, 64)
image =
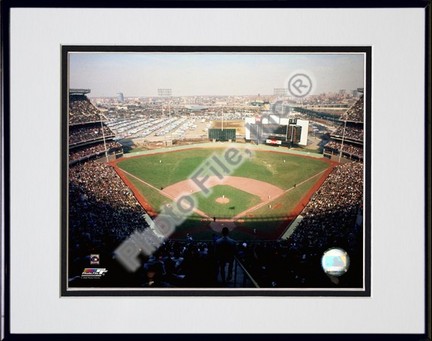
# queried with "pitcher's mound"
point(222, 200)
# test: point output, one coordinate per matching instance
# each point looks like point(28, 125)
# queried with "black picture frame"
point(6, 77)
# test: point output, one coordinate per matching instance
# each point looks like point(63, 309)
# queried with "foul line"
point(241, 214)
point(166, 195)
point(254, 208)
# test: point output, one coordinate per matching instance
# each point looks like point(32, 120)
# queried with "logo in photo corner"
point(94, 259)
point(335, 262)
point(93, 273)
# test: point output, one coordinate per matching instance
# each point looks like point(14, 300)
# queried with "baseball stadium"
point(253, 177)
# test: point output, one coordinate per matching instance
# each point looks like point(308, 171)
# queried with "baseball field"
point(256, 199)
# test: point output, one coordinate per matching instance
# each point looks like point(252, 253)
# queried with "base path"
point(263, 190)
point(140, 198)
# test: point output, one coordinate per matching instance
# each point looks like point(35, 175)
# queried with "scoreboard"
point(291, 131)
point(222, 134)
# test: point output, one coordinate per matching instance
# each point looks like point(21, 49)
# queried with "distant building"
point(280, 130)
point(120, 97)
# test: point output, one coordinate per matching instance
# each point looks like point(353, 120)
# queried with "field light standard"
point(343, 139)
point(166, 93)
point(103, 136)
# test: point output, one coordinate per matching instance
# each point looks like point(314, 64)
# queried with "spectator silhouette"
point(225, 249)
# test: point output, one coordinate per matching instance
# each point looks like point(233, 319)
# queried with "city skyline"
point(210, 74)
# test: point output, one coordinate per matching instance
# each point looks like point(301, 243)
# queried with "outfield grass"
point(153, 197)
point(270, 167)
point(280, 169)
point(162, 170)
point(286, 203)
point(239, 201)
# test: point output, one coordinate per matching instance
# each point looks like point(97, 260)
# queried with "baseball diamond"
point(261, 195)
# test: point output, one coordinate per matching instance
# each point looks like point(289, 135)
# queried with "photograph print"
point(215, 171)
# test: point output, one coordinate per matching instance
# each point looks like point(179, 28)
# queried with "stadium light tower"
point(343, 139)
point(166, 93)
point(103, 136)
point(280, 92)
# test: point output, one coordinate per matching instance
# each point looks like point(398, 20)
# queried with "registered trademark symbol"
point(300, 85)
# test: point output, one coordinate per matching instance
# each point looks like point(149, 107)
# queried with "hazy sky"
point(141, 74)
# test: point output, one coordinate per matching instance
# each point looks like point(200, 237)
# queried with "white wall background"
point(397, 38)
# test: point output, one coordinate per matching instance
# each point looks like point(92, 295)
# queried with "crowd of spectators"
point(351, 132)
point(339, 196)
point(88, 133)
point(329, 220)
point(102, 210)
point(183, 264)
point(355, 113)
point(81, 110)
point(88, 151)
point(176, 263)
point(180, 264)
point(356, 150)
